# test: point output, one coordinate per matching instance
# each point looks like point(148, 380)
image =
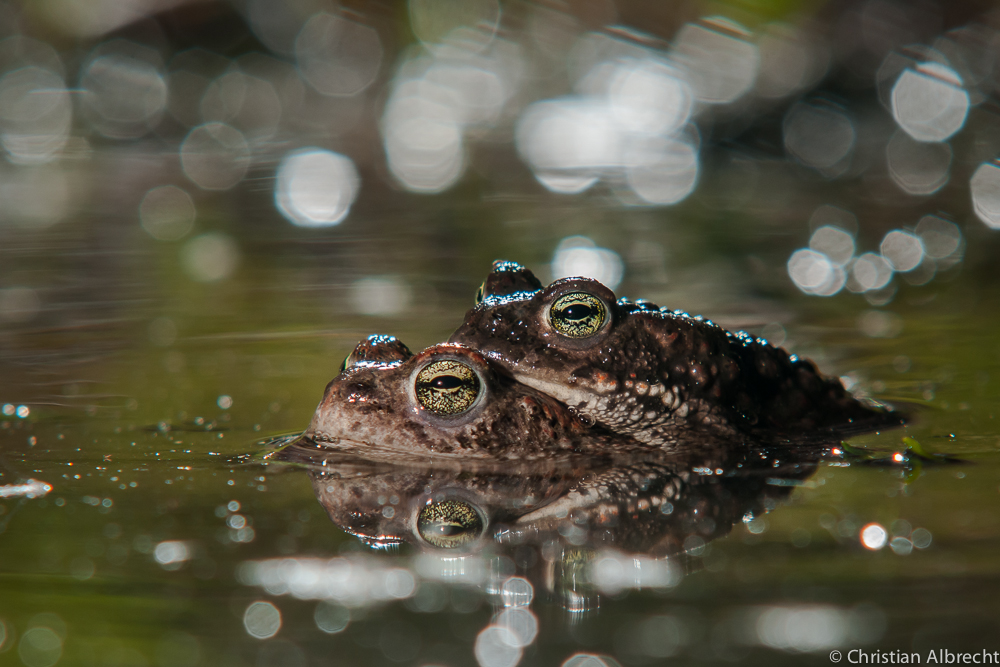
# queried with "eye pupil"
point(448, 387)
point(577, 312)
point(446, 382)
point(578, 315)
point(450, 524)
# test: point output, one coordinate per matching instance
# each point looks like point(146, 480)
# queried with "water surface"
point(144, 550)
point(206, 208)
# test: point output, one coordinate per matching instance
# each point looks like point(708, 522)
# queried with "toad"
point(651, 372)
point(446, 401)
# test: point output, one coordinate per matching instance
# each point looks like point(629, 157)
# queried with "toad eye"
point(480, 293)
point(450, 524)
point(578, 315)
point(447, 387)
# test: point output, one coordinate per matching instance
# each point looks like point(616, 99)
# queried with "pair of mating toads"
point(540, 372)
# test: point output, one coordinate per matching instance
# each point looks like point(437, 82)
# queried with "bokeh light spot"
point(210, 257)
point(942, 238)
point(985, 189)
point(262, 620)
point(578, 256)
point(902, 250)
point(331, 618)
point(802, 628)
point(82, 568)
point(669, 178)
point(871, 271)
point(224, 97)
point(721, 63)
point(475, 94)
point(337, 56)
point(921, 538)
point(880, 324)
point(820, 136)
point(516, 592)
point(612, 572)
point(35, 197)
point(918, 168)
point(497, 646)
point(834, 242)
point(929, 103)
point(315, 187)
point(124, 92)
point(814, 273)
point(901, 546)
point(380, 295)
point(35, 114)
point(215, 156)
point(40, 647)
point(521, 622)
point(576, 137)
point(439, 97)
point(426, 154)
point(167, 213)
point(874, 536)
point(171, 552)
point(650, 96)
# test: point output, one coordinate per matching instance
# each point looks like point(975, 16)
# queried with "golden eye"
point(578, 314)
point(480, 293)
point(450, 524)
point(447, 387)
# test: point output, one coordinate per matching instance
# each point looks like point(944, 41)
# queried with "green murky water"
point(146, 389)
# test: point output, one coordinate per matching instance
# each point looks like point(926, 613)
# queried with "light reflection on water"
point(315, 188)
point(822, 270)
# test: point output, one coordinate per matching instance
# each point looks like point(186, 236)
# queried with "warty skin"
point(652, 373)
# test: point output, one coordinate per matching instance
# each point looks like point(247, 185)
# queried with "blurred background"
point(169, 164)
point(204, 205)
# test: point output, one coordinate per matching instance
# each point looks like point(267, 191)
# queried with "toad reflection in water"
point(558, 522)
point(649, 372)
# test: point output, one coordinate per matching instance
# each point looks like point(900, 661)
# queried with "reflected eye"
point(447, 387)
point(450, 524)
point(578, 315)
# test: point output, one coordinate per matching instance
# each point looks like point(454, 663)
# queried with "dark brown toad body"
point(650, 372)
point(447, 401)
